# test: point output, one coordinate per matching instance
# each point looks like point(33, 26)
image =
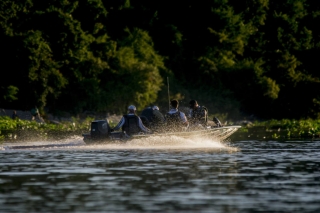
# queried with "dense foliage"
point(258, 57)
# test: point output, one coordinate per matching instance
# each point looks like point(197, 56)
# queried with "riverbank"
point(65, 126)
point(24, 128)
point(49, 118)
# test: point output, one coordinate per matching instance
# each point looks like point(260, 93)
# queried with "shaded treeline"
point(255, 57)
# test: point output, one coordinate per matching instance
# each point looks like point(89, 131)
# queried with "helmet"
point(132, 107)
point(155, 108)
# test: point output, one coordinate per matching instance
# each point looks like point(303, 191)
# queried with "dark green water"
point(163, 175)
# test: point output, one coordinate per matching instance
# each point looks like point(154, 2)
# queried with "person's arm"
point(184, 119)
point(120, 124)
point(142, 127)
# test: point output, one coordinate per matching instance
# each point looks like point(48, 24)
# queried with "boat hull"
point(220, 133)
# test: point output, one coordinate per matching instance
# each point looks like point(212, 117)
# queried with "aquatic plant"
point(289, 128)
point(24, 129)
point(11, 129)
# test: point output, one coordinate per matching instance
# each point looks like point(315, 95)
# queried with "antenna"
point(168, 92)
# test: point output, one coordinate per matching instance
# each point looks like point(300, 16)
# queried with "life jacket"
point(174, 121)
point(197, 115)
point(131, 124)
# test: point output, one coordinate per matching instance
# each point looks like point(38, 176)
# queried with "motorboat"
point(100, 132)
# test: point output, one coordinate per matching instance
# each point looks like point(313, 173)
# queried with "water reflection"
point(243, 176)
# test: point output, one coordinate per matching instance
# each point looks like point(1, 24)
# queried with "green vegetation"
point(265, 130)
point(282, 129)
point(255, 58)
point(26, 130)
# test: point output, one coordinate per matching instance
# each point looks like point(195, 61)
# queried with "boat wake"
point(70, 142)
point(174, 142)
point(157, 142)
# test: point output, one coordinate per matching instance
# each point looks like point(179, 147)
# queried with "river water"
point(161, 175)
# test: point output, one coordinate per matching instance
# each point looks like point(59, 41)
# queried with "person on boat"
point(175, 119)
point(198, 115)
point(152, 118)
point(131, 123)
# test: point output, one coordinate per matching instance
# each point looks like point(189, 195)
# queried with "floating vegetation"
point(285, 128)
point(272, 129)
point(27, 130)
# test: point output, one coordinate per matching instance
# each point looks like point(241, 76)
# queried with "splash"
point(167, 142)
point(157, 142)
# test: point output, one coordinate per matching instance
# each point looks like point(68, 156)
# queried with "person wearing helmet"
point(131, 123)
point(198, 115)
point(152, 118)
point(175, 119)
point(158, 117)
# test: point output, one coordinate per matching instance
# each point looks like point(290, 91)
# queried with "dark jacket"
point(199, 116)
point(152, 118)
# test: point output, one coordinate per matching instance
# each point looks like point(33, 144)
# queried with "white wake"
point(157, 142)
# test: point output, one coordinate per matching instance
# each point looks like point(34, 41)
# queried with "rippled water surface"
point(160, 175)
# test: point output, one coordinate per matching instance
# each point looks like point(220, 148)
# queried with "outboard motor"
point(99, 129)
point(217, 122)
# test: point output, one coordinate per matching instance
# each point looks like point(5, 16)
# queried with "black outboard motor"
point(99, 129)
point(217, 122)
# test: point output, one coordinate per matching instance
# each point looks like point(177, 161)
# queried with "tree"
point(33, 73)
point(134, 77)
